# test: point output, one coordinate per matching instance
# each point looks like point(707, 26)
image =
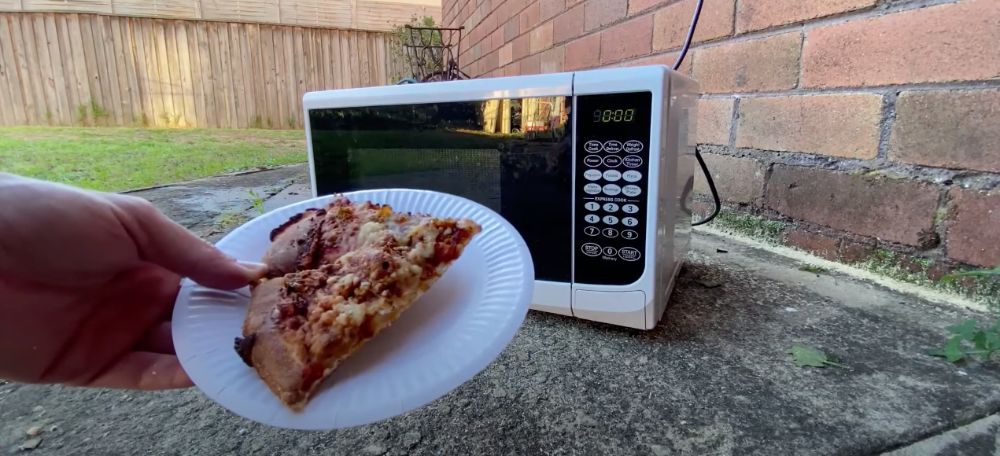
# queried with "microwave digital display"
point(511, 155)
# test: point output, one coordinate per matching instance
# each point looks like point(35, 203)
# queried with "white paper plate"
point(449, 335)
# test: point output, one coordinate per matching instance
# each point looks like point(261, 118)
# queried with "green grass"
point(115, 159)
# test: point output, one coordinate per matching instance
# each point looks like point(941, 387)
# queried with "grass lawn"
point(114, 159)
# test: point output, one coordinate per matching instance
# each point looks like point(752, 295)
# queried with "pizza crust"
point(338, 277)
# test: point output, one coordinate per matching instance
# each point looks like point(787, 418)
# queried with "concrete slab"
point(979, 438)
point(713, 378)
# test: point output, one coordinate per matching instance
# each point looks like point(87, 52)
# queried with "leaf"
point(953, 350)
point(973, 273)
point(966, 329)
point(980, 340)
point(807, 356)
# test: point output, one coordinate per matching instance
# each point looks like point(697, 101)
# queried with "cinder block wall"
point(860, 126)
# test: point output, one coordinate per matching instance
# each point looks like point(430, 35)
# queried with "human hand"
point(87, 286)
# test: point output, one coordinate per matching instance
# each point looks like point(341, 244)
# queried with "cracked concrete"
point(712, 378)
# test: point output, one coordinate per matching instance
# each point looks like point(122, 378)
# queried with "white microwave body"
point(594, 168)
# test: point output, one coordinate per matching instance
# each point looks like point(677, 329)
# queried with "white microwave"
point(593, 168)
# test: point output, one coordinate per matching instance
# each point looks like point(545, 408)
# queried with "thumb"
point(162, 241)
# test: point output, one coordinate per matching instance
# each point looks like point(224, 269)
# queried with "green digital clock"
point(613, 115)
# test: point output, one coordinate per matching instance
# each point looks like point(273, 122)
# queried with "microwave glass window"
point(511, 155)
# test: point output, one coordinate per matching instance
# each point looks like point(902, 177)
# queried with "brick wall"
point(862, 125)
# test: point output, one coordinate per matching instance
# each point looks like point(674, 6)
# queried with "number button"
point(633, 146)
point(630, 190)
point(629, 253)
point(609, 233)
point(591, 206)
point(592, 189)
point(593, 160)
point(590, 249)
point(633, 161)
point(610, 251)
point(612, 190)
point(629, 221)
point(630, 234)
point(591, 218)
point(632, 176)
point(610, 220)
point(610, 207)
point(592, 147)
point(612, 161)
point(630, 208)
point(613, 147)
point(592, 174)
point(612, 175)
point(591, 231)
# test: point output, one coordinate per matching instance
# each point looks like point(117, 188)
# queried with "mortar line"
point(886, 122)
point(734, 122)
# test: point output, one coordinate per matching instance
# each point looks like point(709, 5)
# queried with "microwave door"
point(511, 155)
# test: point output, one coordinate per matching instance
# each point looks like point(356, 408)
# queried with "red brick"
point(569, 25)
point(670, 24)
point(541, 38)
point(530, 17)
point(761, 14)
point(715, 120)
point(770, 63)
point(599, 13)
point(626, 40)
point(531, 64)
point(639, 6)
point(570, 3)
point(841, 125)
point(951, 42)
point(950, 129)
point(666, 59)
point(506, 54)
point(490, 23)
point(510, 30)
point(550, 8)
point(889, 209)
point(816, 243)
point(738, 180)
point(583, 52)
point(522, 46)
point(490, 61)
point(512, 70)
point(496, 39)
point(972, 236)
point(853, 252)
point(552, 60)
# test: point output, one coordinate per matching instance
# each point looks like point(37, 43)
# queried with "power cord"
point(697, 154)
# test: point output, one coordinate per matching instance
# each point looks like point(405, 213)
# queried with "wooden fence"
point(86, 69)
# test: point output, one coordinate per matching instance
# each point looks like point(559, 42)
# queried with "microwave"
point(593, 168)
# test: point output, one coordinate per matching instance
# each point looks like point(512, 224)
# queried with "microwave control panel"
point(611, 187)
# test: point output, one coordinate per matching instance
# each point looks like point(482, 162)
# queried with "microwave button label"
point(629, 253)
point(592, 174)
point(592, 147)
point(630, 190)
point(632, 161)
point(630, 208)
point(610, 251)
point(592, 206)
point(590, 249)
point(612, 161)
point(591, 218)
point(633, 146)
point(592, 189)
point(610, 207)
point(612, 190)
point(592, 161)
point(612, 175)
point(630, 234)
point(610, 233)
point(591, 231)
point(632, 175)
point(610, 220)
point(630, 221)
point(613, 147)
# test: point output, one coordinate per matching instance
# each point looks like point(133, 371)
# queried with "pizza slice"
point(339, 276)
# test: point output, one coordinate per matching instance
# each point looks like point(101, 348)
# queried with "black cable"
point(701, 161)
point(711, 186)
point(690, 35)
